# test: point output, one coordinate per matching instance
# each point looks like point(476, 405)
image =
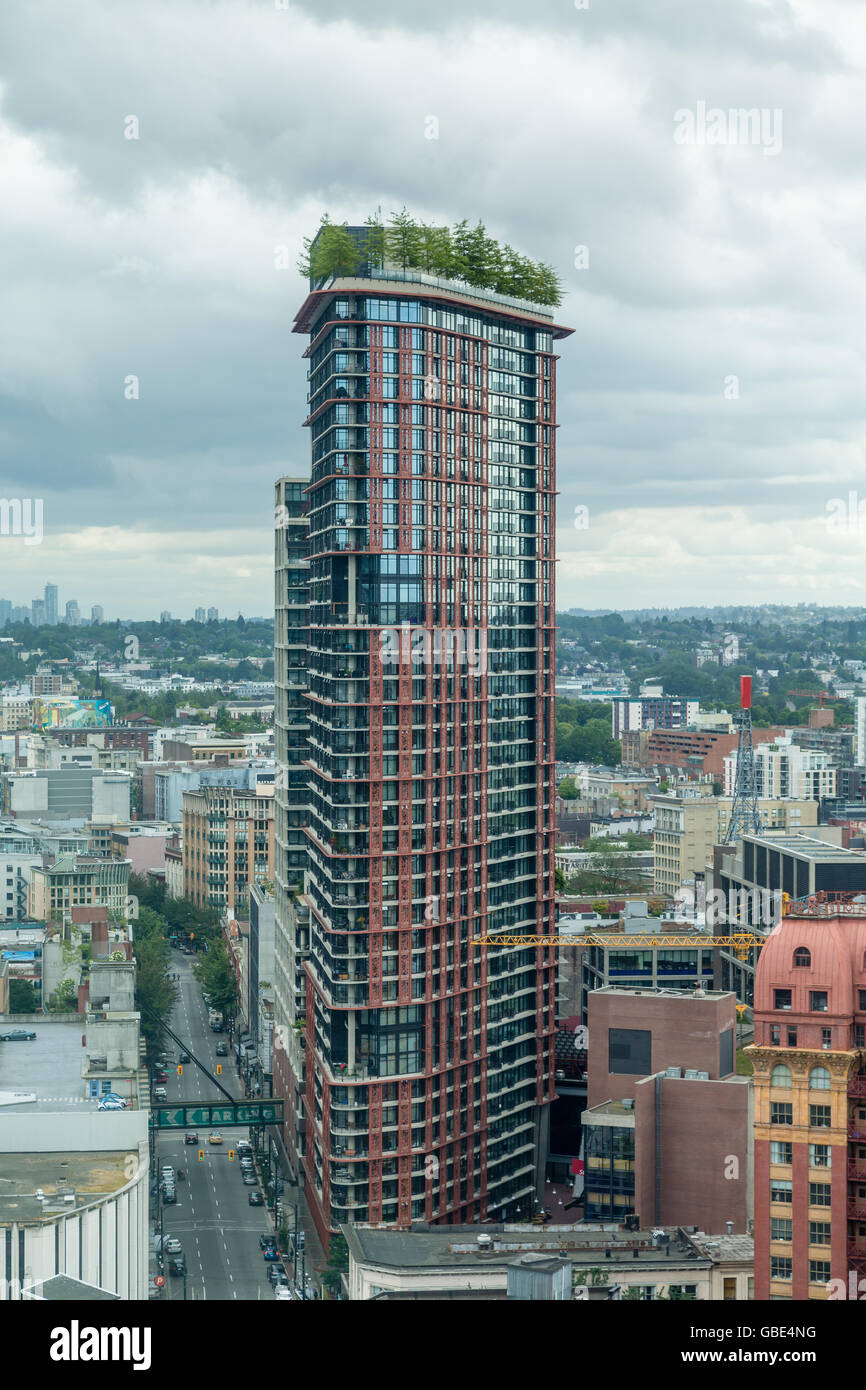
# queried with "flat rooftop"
point(457, 1247)
point(89, 1175)
point(49, 1067)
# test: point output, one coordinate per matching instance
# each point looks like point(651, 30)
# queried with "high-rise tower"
point(429, 770)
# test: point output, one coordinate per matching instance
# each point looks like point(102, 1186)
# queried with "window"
point(819, 1232)
point(780, 1267)
point(781, 999)
point(819, 1079)
point(781, 1191)
point(826, 1038)
point(818, 1001)
point(781, 1112)
point(819, 1117)
point(819, 1194)
point(819, 1271)
point(819, 1155)
point(781, 1151)
point(781, 1228)
point(792, 1037)
point(862, 998)
point(781, 1076)
point(775, 1034)
point(802, 957)
point(629, 1051)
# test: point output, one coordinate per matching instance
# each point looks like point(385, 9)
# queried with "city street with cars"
point(210, 1196)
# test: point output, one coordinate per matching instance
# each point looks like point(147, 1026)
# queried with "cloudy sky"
point(711, 397)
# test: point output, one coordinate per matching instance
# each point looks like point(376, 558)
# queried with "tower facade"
point(809, 1061)
point(428, 1059)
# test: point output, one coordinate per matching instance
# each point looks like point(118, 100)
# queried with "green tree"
point(22, 997)
point(155, 992)
point(334, 252)
point(338, 1264)
point(374, 243)
point(64, 999)
point(215, 975)
point(403, 240)
point(568, 789)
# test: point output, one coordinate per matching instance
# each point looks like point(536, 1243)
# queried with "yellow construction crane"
point(739, 942)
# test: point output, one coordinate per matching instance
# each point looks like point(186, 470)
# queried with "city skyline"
point(710, 428)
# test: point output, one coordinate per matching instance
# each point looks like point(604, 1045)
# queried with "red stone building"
point(697, 751)
point(810, 1103)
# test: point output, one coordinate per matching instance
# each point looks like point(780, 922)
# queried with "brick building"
point(810, 1103)
point(668, 1125)
point(700, 752)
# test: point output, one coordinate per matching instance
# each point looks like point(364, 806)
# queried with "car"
point(222, 1049)
point(190, 1138)
point(184, 1057)
point(250, 1180)
point(172, 1245)
point(271, 1252)
point(256, 1199)
point(160, 1078)
point(177, 1266)
point(160, 1093)
point(111, 1103)
point(266, 1239)
point(17, 1035)
point(216, 1027)
point(169, 1196)
point(282, 1291)
point(277, 1275)
point(214, 1138)
point(247, 1161)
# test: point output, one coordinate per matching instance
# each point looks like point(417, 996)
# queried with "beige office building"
point(687, 827)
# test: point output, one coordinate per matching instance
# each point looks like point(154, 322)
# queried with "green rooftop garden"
point(460, 252)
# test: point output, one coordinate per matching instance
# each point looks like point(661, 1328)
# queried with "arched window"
point(819, 1079)
point(780, 1076)
point(802, 956)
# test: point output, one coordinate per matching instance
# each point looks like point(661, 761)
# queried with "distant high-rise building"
point(97, 613)
point(213, 615)
point(165, 616)
point(73, 613)
point(5, 611)
point(429, 800)
point(37, 612)
point(652, 712)
point(52, 613)
point(860, 731)
point(200, 615)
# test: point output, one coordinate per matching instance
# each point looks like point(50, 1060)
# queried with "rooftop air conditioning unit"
point(692, 1075)
point(674, 1071)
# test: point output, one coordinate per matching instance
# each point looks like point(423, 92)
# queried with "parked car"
point(222, 1049)
point(184, 1057)
point(169, 1196)
point(172, 1245)
point(191, 1138)
point(266, 1239)
point(282, 1290)
point(214, 1138)
point(277, 1275)
point(256, 1199)
point(17, 1035)
point(250, 1180)
point(111, 1103)
point(177, 1266)
point(160, 1078)
point(167, 1171)
point(216, 1027)
point(160, 1093)
point(271, 1252)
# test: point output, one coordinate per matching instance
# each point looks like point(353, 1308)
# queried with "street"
point(218, 1229)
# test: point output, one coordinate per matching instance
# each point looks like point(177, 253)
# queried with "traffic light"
point(200, 1154)
point(231, 1154)
point(180, 1071)
point(219, 1069)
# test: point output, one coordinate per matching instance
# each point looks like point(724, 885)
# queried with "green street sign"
point(192, 1115)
